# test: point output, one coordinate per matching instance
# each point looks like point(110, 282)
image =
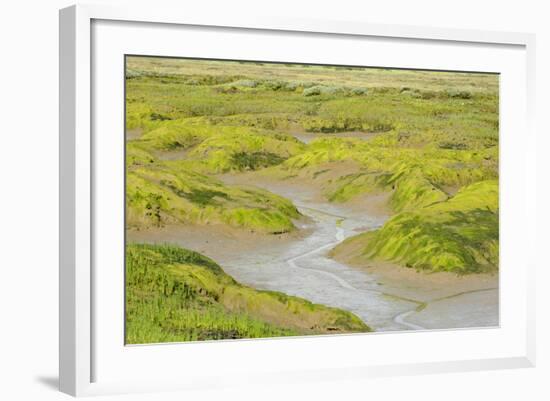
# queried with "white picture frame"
point(79, 342)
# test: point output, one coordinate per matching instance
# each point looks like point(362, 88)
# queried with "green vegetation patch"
point(244, 149)
point(255, 160)
point(178, 134)
point(413, 190)
point(174, 294)
point(159, 195)
point(415, 177)
point(349, 186)
point(459, 235)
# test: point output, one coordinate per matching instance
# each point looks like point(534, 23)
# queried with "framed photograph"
point(278, 200)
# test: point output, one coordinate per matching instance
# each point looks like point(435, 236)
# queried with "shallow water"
point(305, 270)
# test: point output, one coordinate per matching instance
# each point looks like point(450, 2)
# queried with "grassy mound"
point(413, 190)
point(243, 149)
point(178, 135)
point(174, 294)
point(157, 195)
point(457, 235)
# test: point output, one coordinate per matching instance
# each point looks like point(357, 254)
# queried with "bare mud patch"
point(133, 133)
point(221, 243)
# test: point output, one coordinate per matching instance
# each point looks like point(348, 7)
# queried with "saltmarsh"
point(429, 139)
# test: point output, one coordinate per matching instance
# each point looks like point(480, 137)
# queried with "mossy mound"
point(174, 294)
point(243, 149)
point(158, 195)
point(458, 235)
point(179, 135)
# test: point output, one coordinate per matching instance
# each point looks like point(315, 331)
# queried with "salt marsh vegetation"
point(405, 161)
